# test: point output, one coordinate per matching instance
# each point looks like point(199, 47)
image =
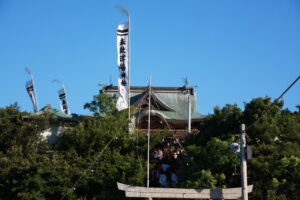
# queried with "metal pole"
point(129, 29)
point(190, 113)
point(243, 162)
point(148, 147)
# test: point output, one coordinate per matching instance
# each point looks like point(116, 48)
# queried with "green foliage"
point(224, 123)
point(211, 166)
point(81, 165)
point(102, 105)
point(117, 163)
point(18, 130)
point(78, 166)
point(266, 114)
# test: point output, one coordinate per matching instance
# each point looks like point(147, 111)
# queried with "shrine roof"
point(173, 100)
point(60, 115)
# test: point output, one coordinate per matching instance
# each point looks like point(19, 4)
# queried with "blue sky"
point(232, 50)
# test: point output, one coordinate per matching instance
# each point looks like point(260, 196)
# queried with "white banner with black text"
point(123, 64)
point(63, 101)
point(30, 90)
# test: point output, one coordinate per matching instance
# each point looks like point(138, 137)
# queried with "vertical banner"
point(123, 64)
point(30, 90)
point(63, 101)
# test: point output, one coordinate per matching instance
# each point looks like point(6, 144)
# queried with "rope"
point(137, 133)
point(174, 136)
point(86, 170)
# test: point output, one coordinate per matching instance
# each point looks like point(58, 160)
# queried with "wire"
point(276, 100)
point(137, 133)
point(168, 125)
point(176, 138)
point(85, 171)
point(288, 88)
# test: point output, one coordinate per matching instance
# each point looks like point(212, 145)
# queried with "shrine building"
point(169, 107)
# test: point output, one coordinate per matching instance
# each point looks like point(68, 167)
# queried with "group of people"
point(166, 157)
point(168, 151)
point(163, 175)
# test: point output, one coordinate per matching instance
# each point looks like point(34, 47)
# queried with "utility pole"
point(243, 162)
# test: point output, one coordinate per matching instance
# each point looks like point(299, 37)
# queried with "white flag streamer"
point(63, 101)
point(62, 94)
point(123, 64)
point(30, 90)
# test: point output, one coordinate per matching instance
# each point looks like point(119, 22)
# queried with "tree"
point(102, 105)
point(274, 134)
point(91, 156)
point(85, 163)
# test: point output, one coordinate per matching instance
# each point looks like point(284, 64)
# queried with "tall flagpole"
point(148, 146)
point(122, 9)
point(129, 47)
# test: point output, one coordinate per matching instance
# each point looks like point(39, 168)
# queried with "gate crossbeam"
point(151, 192)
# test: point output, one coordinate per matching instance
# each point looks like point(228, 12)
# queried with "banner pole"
point(129, 47)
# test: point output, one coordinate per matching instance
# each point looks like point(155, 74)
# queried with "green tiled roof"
point(55, 113)
point(172, 98)
point(179, 105)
